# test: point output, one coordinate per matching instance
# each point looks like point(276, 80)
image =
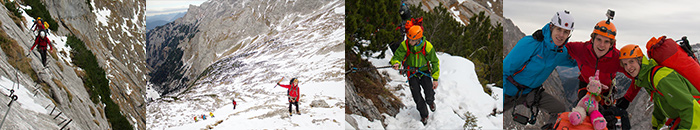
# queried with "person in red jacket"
point(42, 41)
point(39, 26)
point(599, 53)
point(234, 104)
point(293, 94)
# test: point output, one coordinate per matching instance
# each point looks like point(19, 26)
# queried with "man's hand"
point(396, 66)
point(435, 84)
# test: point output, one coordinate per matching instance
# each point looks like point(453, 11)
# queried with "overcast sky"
point(157, 7)
point(636, 21)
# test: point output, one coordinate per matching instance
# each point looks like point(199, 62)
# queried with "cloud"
point(156, 7)
point(166, 11)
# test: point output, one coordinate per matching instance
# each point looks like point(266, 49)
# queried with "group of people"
point(203, 117)
point(534, 57)
point(41, 40)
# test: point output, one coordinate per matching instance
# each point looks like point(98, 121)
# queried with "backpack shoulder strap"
point(651, 79)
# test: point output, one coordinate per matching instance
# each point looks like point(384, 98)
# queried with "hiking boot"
point(298, 113)
point(432, 107)
point(424, 120)
point(290, 113)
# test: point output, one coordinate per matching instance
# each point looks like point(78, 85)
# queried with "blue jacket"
point(537, 61)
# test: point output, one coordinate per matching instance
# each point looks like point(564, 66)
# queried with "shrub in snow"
point(470, 122)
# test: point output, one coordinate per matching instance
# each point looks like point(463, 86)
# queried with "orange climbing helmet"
point(630, 51)
point(415, 32)
point(605, 28)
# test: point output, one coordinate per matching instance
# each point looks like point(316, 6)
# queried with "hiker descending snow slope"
point(306, 46)
point(459, 92)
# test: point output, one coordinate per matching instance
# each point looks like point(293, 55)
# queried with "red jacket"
point(42, 42)
point(293, 90)
point(608, 65)
point(38, 25)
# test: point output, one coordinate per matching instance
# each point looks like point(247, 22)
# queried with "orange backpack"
point(563, 123)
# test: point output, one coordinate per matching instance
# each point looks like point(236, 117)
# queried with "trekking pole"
point(9, 106)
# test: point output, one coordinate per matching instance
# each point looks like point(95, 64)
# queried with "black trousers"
point(295, 104)
point(426, 83)
point(547, 102)
point(43, 56)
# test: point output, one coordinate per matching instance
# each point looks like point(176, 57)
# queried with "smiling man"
point(531, 62)
point(675, 98)
point(599, 53)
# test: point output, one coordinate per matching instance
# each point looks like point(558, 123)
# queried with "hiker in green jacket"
point(423, 68)
point(674, 97)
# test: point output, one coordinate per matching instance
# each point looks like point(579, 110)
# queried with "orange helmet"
point(605, 28)
point(415, 32)
point(630, 51)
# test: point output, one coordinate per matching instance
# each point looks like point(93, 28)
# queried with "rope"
point(355, 69)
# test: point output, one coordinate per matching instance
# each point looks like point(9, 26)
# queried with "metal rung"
point(57, 115)
point(64, 126)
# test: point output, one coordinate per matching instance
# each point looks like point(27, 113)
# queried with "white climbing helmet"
point(563, 19)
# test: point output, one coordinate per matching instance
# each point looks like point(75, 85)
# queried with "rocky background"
point(116, 42)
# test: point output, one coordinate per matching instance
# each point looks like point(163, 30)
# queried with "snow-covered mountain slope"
point(181, 50)
point(308, 46)
point(459, 92)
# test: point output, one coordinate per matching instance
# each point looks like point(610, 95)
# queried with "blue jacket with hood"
point(536, 59)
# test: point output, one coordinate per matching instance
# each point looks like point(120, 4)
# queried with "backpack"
point(563, 123)
point(612, 114)
point(672, 122)
point(39, 24)
point(669, 54)
point(46, 25)
point(405, 25)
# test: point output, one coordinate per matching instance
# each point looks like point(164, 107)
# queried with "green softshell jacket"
point(419, 60)
point(674, 96)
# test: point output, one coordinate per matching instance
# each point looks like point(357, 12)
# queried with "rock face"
point(511, 36)
point(319, 103)
point(356, 104)
point(366, 95)
point(467, 8)
point(116, 42)
point(183, 49)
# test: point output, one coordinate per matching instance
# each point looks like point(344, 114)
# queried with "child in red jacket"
point(293, 94)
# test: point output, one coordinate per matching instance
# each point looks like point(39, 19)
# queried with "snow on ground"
point(455, 15)
point(272, 112)
point(150, 92)
point(25, 97)
point(459, 92)
point(58, 41)
point(101, 13)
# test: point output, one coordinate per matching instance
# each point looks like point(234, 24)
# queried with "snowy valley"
point(247, 64)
